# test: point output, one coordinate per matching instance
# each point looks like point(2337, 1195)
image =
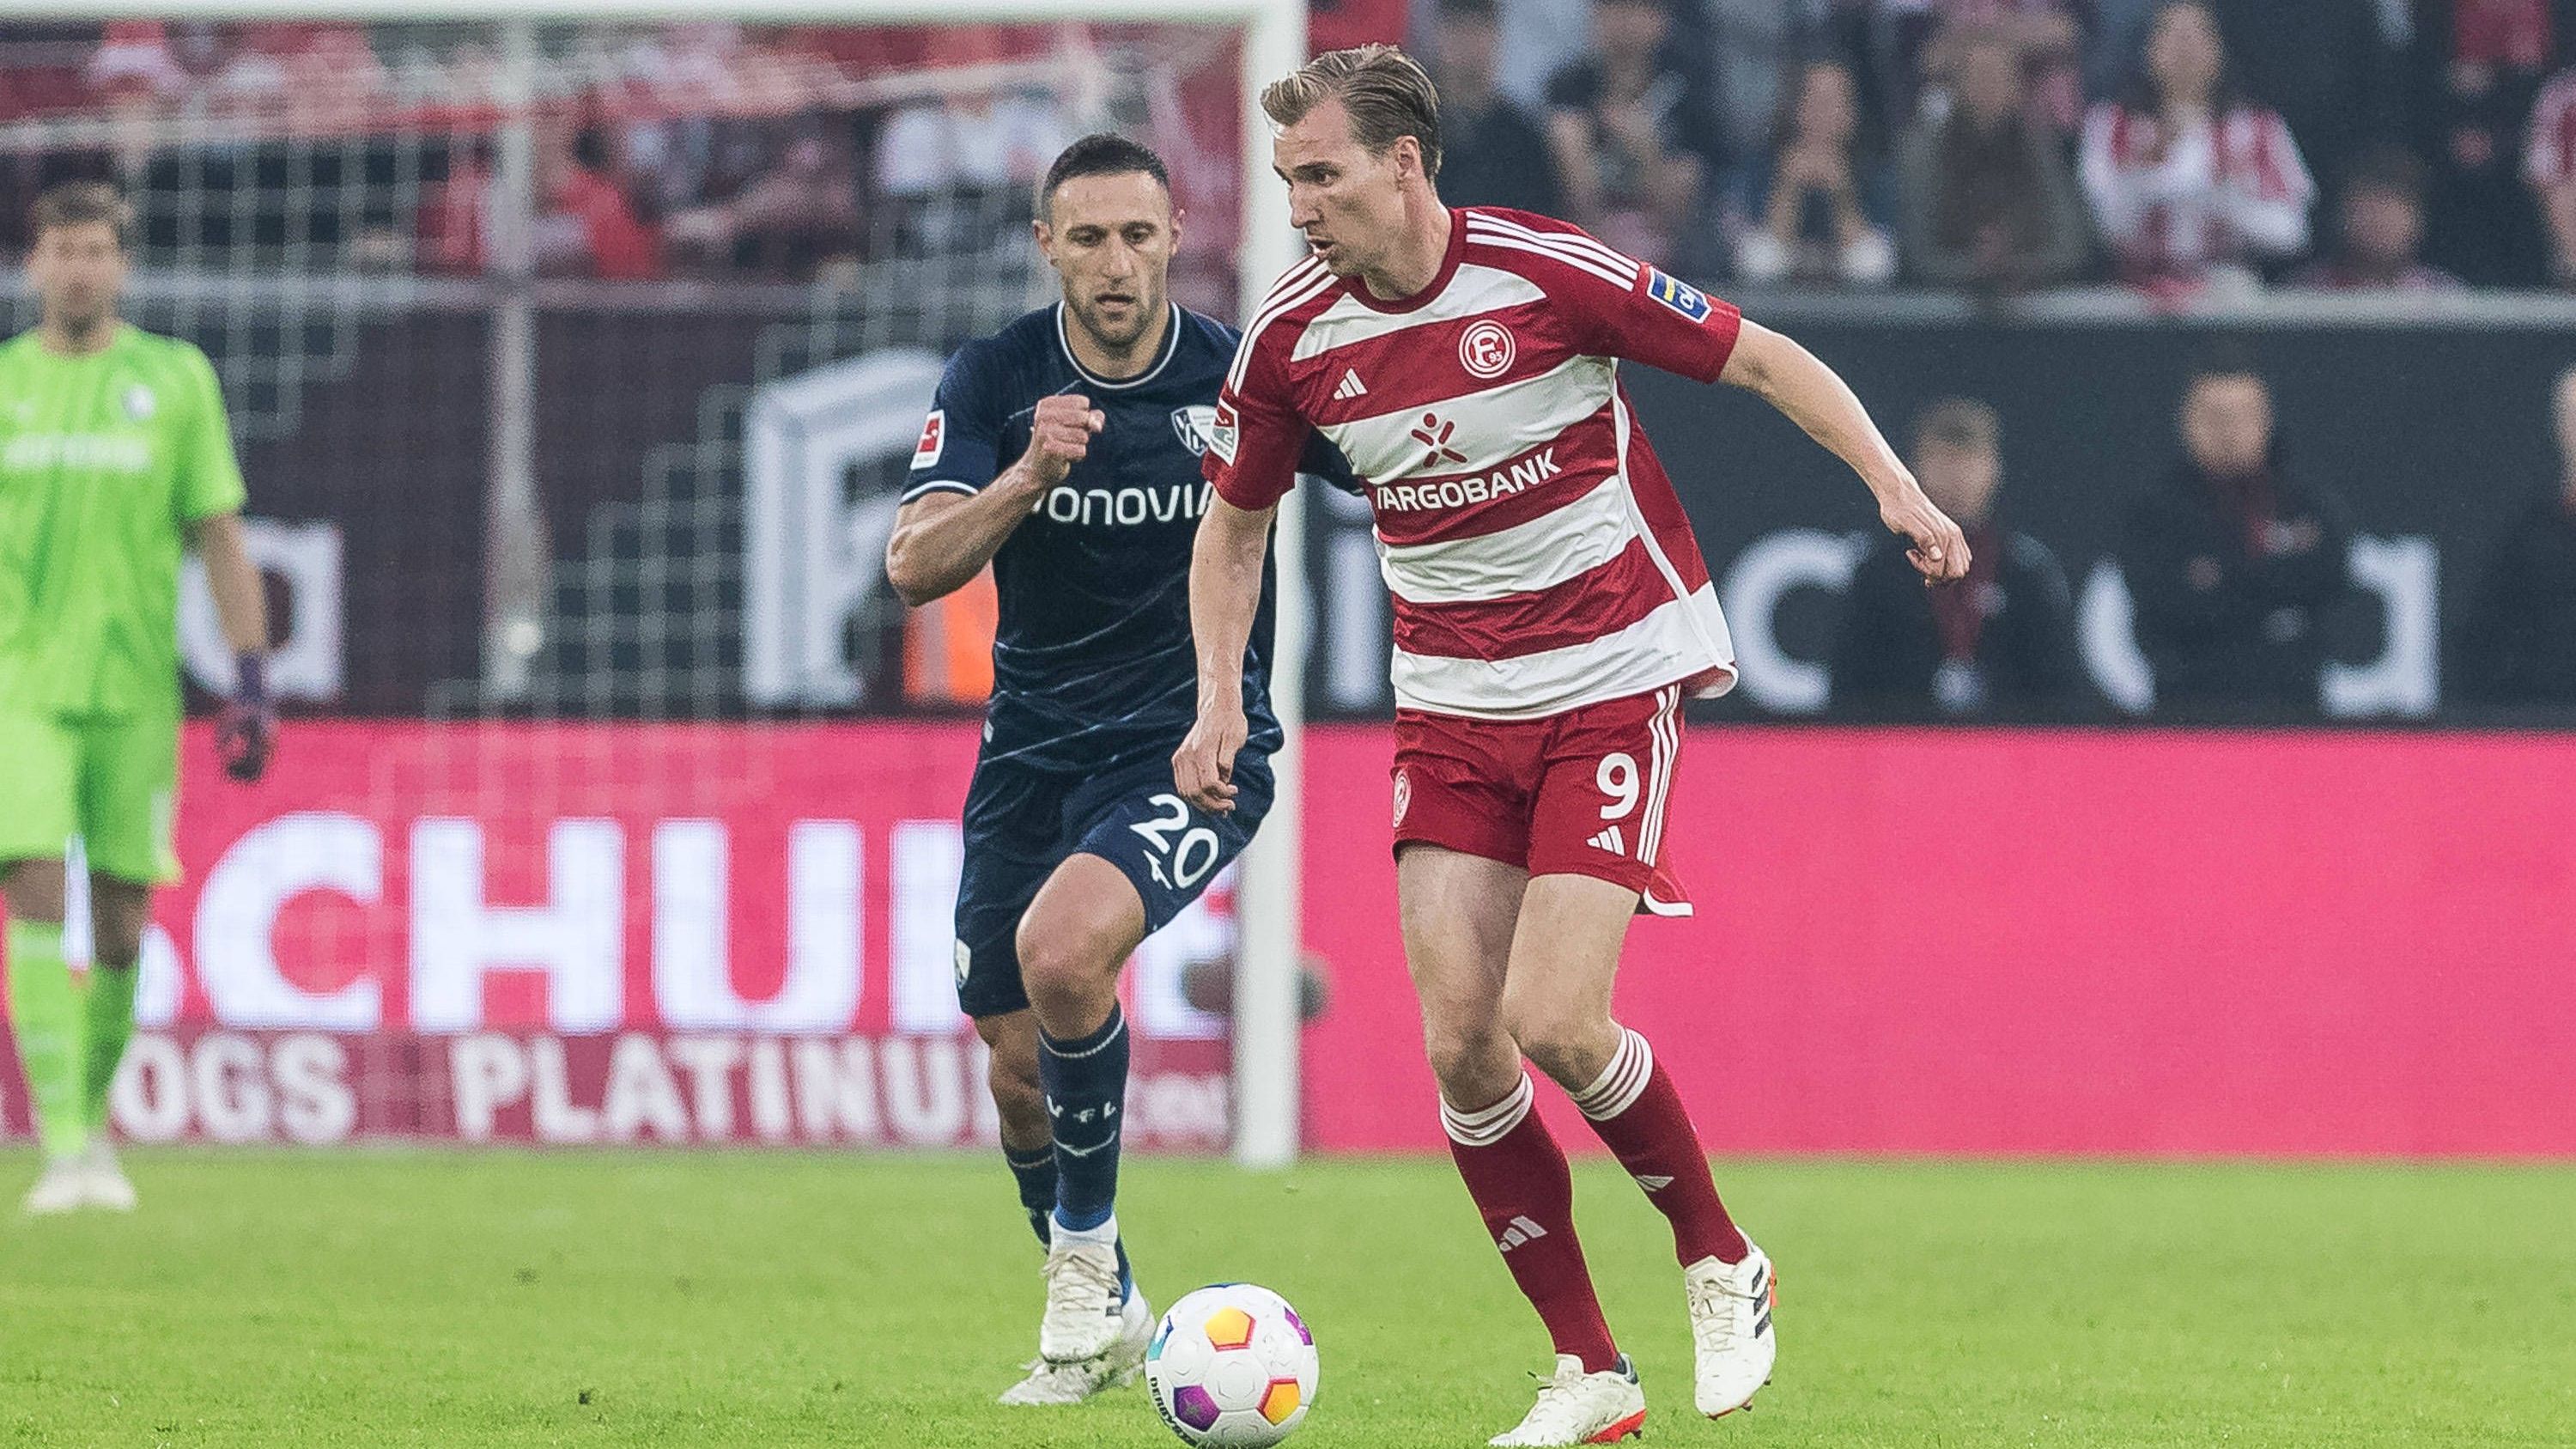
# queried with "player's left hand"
point(1203, 767)
point(1940, 551)
point(246, 736)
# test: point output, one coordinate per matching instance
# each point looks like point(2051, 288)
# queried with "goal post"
point(1266, 1090)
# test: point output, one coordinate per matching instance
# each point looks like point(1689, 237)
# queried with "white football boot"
point(1071, 1383)
point(62, 1188)
point(1730, 1314)
point(1084, 1309)
point(1575, 1407)
point(103, 1183)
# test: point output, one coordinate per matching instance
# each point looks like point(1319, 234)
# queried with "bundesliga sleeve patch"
point(1681, 296)
point(1225, 431)
point(934, 439)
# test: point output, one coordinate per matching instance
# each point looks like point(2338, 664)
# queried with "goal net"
point(574, 367)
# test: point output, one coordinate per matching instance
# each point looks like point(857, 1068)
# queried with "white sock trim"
point(1621, 1083)
point(1103, 1236)
point(1486, 1126)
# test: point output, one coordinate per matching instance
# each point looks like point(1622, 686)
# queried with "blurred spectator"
point(2233, 566)
point(1999, 643)
point(1538, 36)
point(2333, 69)
point(1634, 134)
point(2188, 180)
point(1898, 48)
point(2549, 165)
point(1752, 45)
point(2381, 227)
point(1819, 210)
point(2516, 645)
point(961, 169)
point(790, 221)
point(1988, 201)
point(585, 226)
point(2478, 66)
point(1492, 153)
point(454, 221)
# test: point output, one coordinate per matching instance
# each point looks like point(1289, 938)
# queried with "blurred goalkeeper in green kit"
point(114, 459)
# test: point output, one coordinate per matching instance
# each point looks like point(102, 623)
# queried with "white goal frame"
point(1267, 1091)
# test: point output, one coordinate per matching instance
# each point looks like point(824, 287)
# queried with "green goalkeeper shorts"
point(112, 781)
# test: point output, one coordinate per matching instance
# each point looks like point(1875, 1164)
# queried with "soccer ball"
point(1232, 1365)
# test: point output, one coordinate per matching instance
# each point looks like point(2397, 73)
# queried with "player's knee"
point(1568, 1046)
point(116, 943)
point(1471, 1062)
point(1062, 969)
point(34, 890)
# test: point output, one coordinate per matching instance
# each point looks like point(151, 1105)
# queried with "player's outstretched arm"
point(1225, 593)
point(1810, 394)
point(247, 734)
point(941, 540)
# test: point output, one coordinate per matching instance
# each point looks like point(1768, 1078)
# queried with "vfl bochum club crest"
point(140, 404)
point(1195, 426)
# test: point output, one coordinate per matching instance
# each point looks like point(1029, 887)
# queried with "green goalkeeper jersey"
point(105, 461)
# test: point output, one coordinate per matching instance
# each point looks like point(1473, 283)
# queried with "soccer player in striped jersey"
point(1552, 611)
point(115, 458)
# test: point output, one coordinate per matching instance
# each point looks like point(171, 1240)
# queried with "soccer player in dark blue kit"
point(1065, 450)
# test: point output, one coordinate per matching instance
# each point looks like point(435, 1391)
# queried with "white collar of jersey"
point(1171, 344)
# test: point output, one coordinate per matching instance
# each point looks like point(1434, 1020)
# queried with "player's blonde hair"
point(1385, 91)
point(79, 203)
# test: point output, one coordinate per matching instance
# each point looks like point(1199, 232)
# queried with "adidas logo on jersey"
point(1350, 387)
point(1519, 1231)
point(1612, 841)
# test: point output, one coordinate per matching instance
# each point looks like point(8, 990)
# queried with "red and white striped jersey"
point(2174, 205)
point(1539, 559)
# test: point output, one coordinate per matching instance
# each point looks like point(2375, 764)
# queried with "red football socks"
point(1518, 1177)
point(1638, 1112)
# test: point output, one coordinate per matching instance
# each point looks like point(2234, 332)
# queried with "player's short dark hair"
point(1386, 92)
point(1958, 422)
point(79, 203)
point(1102, 153)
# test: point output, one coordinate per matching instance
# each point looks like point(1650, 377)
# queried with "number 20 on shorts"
point(1195, 853)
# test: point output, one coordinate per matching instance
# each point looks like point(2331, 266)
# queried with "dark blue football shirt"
point(1093, 667)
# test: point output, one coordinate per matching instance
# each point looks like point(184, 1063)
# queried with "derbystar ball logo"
point(934, 439)
point(1486, 349)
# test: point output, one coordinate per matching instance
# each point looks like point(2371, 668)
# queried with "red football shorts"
point(1579, 793)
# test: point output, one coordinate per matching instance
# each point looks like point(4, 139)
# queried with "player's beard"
point(79, 317)
point(1120, 339)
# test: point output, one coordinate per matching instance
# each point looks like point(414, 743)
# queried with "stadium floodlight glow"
point(1265, 1013)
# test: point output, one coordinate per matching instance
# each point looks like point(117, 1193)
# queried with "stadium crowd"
point(2183, 147)
point(1990, 145)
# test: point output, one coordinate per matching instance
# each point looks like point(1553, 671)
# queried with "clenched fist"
point(1060, 436)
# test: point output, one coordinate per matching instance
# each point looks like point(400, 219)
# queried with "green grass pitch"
point(460, 1298)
